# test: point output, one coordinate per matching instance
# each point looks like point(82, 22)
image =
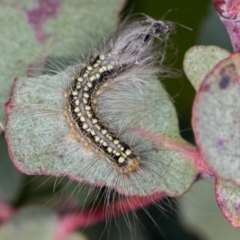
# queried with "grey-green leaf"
point(32, 32)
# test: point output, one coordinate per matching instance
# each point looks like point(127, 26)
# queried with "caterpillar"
point(86, 85)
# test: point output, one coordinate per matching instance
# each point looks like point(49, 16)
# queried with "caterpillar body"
point(87, 83)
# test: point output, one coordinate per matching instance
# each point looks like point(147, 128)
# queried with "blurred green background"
point(200, 16)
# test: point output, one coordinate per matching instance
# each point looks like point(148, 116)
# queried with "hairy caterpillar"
point(82, 96)
point(80, 123)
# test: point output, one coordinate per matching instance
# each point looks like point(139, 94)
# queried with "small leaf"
point(33, 222)
point(228, 199)
point(216, 115)
point(199, 60)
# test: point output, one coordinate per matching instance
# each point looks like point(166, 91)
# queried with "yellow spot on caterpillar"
point(128, 152)
point(77, 102)
point(85, 126)
point(109, 137)
point(97, 75)
point(89, 68)
point(82, 119)
point(75, 93)
point(89, 84)
point(121, 159)
point(94, 121)
point(101, 57)
point(110, 67)
point(86, 95)
point(89, 114)
point(97, 139)
point(80, 79)
point(97, 127)
point(116, 142)
point(87, 108)
point(109, 149)
point(104, 131)
point(92, 78)
point(77, 109)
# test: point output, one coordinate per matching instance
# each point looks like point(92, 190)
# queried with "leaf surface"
point(31, 31)
point(216, 119)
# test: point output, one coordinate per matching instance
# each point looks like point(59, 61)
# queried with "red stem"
point(70, 222)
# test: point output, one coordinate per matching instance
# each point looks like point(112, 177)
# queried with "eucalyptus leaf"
point(31, 32)
point(228, 199)
point(40, 142)
point(216, 119)
point(199, 60)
